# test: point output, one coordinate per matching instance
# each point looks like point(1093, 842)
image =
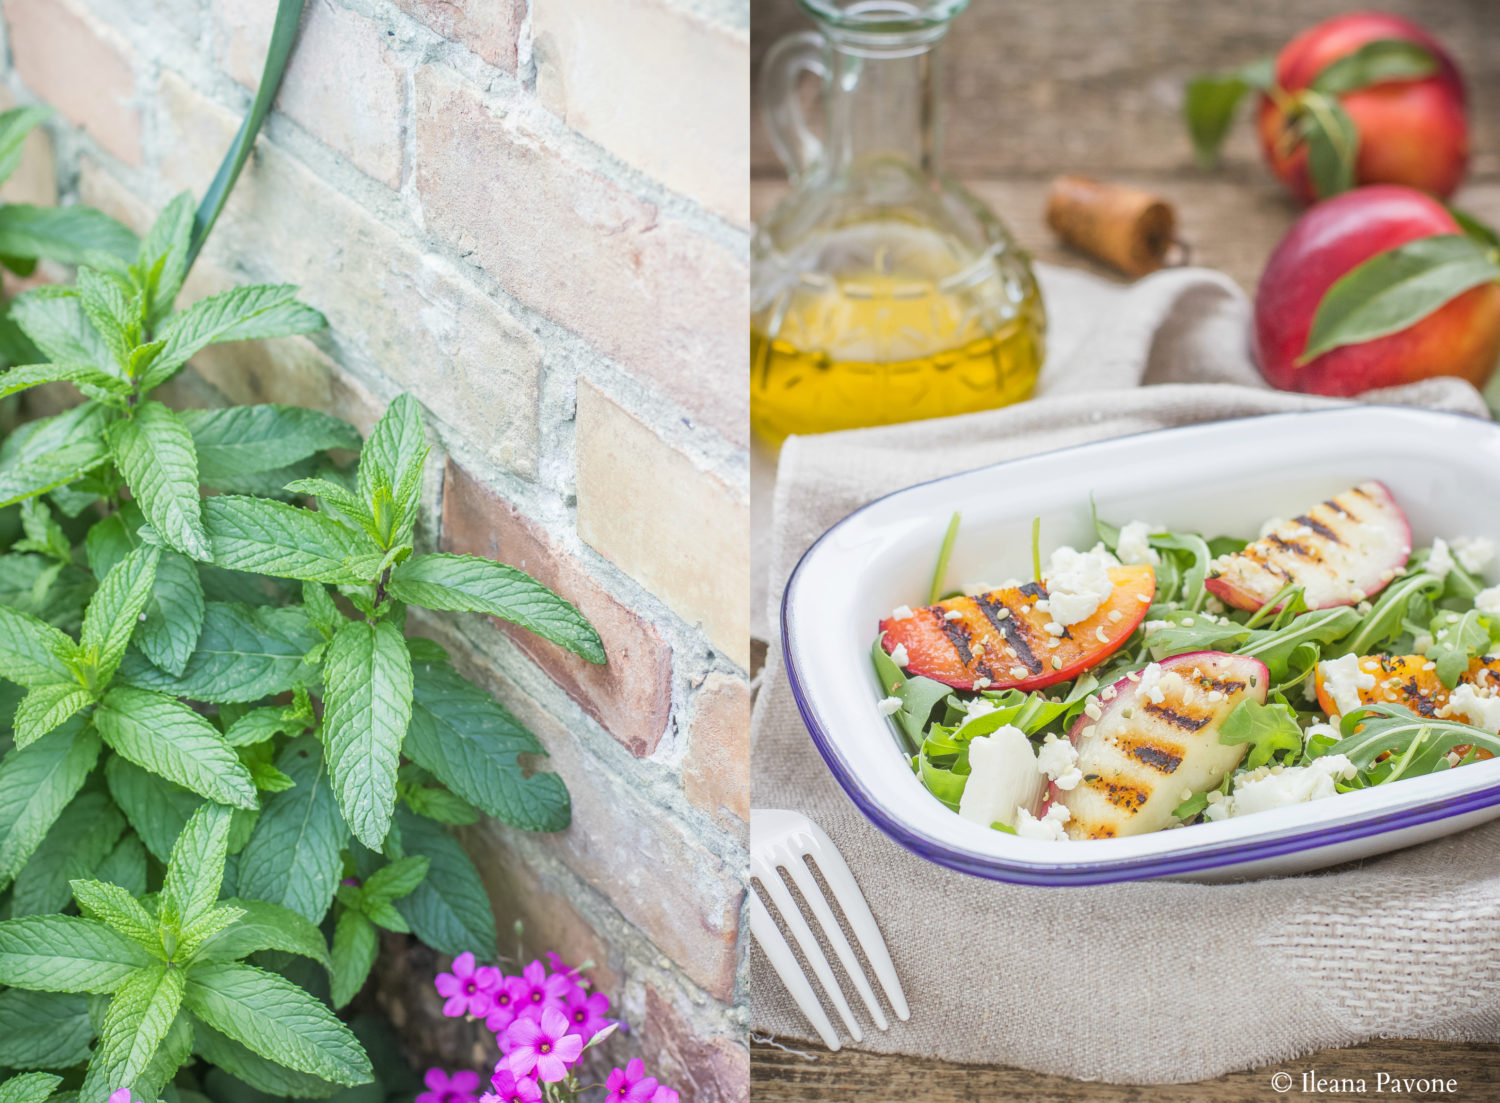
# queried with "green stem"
point(944, 554)
point(283, 34)
point(1036, 548)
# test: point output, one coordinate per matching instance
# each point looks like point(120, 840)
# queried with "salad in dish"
point(1161, 679)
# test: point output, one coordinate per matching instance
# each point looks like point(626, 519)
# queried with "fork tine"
point(846, 891)
point(771, 881)
point(764, 928)
point(835, 934)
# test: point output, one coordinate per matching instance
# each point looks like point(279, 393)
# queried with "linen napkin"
point(1151, 982)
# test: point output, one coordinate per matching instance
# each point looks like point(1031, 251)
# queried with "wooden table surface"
point(1035, 88)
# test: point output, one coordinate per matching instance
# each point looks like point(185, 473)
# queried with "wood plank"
point(777, 1076)
point(1036, 87)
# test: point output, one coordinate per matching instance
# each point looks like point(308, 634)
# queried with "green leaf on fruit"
point(1376, 62)
point(1332, 143)
point(1210, 102)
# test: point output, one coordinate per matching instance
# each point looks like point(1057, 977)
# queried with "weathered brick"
point(713, 1069)
point(682, 897)
point(98, 188)
point(716, 772)
point(682, 533)
point(427, 329)
point(288, 370)
point(35, 178)
point(68, 57)
point(343, 83)
point(631, 694)
point(655, 85)
point(487, 27)
point(667, 302)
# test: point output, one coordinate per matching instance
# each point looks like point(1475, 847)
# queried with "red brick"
point(487, 27)
point(667, 302)
point(716, 773)
point(714, 1069)
point(68, 58)
point(631, 694)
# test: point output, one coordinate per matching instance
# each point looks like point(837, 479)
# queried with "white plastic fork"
point(779, 840)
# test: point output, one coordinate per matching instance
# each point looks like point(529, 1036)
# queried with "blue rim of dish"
point(1198, 860)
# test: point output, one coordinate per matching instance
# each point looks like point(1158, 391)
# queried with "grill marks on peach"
point(1160, 756)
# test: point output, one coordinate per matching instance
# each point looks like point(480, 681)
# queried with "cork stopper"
point(1130, 230)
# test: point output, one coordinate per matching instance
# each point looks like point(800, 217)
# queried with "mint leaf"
point(81, 838)
point(31, 1087)
point(470, 743)
point(241, 439)
point(367, 703)
point(156, 809)
point(449, 910)
point(111, 315)
point(1376, 62)
point(355, 947)
point(244, 653)
point(266, 926)
point(441, 805)
point(60, 953)
point(43, 1030)
point(162, 262)
point(196, 868)
point(36, 783)
point(46, 707)
point(469, 584)
point(168, 738)
point(87, 377)
point(44, 455)
point(115, 907)
point(125, 865)
point(173, 617)
point(32, 652)
point(154, 451)
point(68, 235)
point(54, 319)
point(1267, 728)
point(259, 725)
point(174, 1051)
point(15, 125)
point(252, 534)
point(339, 503)
point(391, 461)
point(111, 618)
point(240, 314)
point(293, 856)
point(397, 879)
point(1209, 104)
point(139, 1016)
point(270, 1015)
point(1396, 289)
point(209, 925)
point(258, 1072)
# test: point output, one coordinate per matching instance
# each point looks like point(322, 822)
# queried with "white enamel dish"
point(1223, 478)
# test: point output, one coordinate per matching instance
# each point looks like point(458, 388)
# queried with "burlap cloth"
point(1136, 983)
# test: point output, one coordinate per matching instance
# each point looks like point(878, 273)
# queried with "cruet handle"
point(786, 124)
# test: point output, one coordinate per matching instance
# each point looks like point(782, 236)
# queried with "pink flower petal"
point(447, 984)
point(521, 1061)
point(464, 1080)
point(568, 1049)
point(525, 1032)
point(549, 1069)
point(436, 1079)
point(554, 1023)
point(455, 1006)
point(463, 965)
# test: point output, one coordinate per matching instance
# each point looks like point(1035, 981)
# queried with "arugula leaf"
point(469, 584)
point(36, 783)
point(449, 910)
point(240, 439)
point(918, 695)
point(271, 1016)
point(30, 1087)
point(253, 534)
point(43, 1030)
point(154, 451)
point(355, 947)
point(1267, 728)
point(1383, 623)
point(240, 314)
point(1454, 644)
point(168, 738)
point(1371, 731)
point(293, 856)
point(113, 615)
point(244, 653)
point(367, 705)
point(1276, 647)
point(470, 742)
point(61, 953)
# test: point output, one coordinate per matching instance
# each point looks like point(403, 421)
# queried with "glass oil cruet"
point(881, 290)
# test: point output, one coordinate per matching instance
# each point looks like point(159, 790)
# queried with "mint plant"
point(219, 742)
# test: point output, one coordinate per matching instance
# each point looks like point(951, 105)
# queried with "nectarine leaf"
point(1396, 289)
point(1480, 231)
point(1332, 143)
point(1384, 59)
point(1210, 102)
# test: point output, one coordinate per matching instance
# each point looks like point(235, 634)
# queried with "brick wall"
point(532, 214)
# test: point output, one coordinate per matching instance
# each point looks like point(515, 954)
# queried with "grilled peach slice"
point(1002, 636)
point(1340, 552)
point(1412, 681)
point(1152, 739)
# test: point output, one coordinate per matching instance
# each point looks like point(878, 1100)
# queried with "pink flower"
point(121, 1095)
point(461, 1087)
point(558, 965)
point(543, 1046)
point(512, 1089)
point(468, 991)
point(537, 990)
point(630, 1084)
point(585, 1012)
point(505, 1003)
point(665, 1094)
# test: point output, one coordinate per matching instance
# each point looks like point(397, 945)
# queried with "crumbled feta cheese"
point(1133, 545)
point(1050, 826)
point(1470, 706)
point(979, 706)
point(901, 612)
point(1488, 601)
point(1214, 605)
point(1004, 778)
point(1319, 728)
point(1474, 553)
point(1052, 628)
point(1422, 644)
point(1343, 679)
point(889, 705)
point(1263, 789)
point(1077, 584)
point(982, 682)
point(1058, 759)
point(1271, 526)
point(899, 655)
point(1019, 672)
point(1440, 562)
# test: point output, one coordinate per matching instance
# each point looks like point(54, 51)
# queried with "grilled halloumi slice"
point(1151, 740)
point(1340, 552)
